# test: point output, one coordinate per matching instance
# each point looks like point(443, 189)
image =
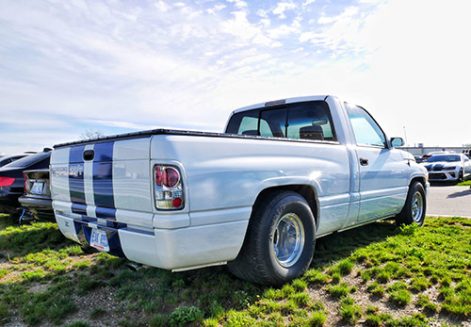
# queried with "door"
point(384, 173)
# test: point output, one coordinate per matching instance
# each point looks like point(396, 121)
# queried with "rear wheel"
point(415, 206)
point(279, 243)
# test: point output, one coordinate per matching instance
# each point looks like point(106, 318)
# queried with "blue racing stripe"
point(76, 154)
point(103, 180)
point(79, 208)
point(102, 212)
point(76, 185)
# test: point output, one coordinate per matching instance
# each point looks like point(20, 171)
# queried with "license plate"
point(99, 240)
point(37, 188)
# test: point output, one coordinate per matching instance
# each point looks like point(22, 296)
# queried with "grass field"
point(377, 275)
point(464, 183)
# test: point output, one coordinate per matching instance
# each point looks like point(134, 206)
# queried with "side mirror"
point(397, 141)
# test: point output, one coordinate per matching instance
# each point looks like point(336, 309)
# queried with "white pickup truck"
point(256, 197)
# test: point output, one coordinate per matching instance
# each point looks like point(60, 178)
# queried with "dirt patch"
point(38, 287)
point(103, 299)
point(363, 298)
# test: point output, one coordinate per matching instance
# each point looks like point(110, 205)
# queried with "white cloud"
point(282, 7)
point(308, 2)
point(282, 31)
point(162, 6)
point(340, 34)
point(214, 10)
point(240, 27)
point(262, 13)
point(239, 4)
point(347, 14)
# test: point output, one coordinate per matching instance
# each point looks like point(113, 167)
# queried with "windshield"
point(28, 160)
point(446, 158)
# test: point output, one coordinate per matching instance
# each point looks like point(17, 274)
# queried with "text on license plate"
point(99, 240)
point(37, 188)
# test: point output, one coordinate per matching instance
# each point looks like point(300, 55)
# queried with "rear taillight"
point(6, 181)
point(26, 183)
point(168, 188)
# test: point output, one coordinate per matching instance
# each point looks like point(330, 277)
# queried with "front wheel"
point(279, 243)
point(461, 176)
point(415, 206)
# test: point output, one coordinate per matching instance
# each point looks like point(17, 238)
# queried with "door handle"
point(363, 162)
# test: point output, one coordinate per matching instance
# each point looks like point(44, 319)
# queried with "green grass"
point(424, 302)
point(340, 290)
point(382, 264)
point(349, 311)
point(375, 289)
point(464, 183)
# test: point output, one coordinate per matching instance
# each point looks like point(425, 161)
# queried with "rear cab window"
point(303, 120)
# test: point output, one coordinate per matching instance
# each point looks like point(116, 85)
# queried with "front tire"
point(415, 207)
point(279, 243)
point(460, 176)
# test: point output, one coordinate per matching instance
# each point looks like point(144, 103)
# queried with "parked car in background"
point(256, 197)
point(37, 194)
point(12, 180)
point(446, 167)
point(418, 159)
point(9, 159)
point(428, 155)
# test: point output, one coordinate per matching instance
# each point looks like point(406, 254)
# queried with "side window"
point(310, 121)
point(273, 123)
point(366, 131)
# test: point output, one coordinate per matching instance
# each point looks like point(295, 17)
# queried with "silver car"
point(447, 167)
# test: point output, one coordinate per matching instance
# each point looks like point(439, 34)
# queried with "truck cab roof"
point(281, 101)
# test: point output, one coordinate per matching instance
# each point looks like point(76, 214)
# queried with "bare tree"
point(91, 135)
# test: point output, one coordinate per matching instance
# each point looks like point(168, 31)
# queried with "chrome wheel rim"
point(288, 240)
point(417, 207)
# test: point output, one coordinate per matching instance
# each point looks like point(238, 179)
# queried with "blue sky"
point(118, 66)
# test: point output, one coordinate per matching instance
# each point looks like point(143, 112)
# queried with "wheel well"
point(421, 180)
point(306, 191)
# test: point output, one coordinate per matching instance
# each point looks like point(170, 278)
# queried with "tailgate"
point(108, 179)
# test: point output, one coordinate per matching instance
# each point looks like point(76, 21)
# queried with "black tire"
point(257, 261)
point(407, 216)
point(461, 176)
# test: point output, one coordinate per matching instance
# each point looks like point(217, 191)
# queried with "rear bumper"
point(36, 203)
point(38, 207)
point(181, 248)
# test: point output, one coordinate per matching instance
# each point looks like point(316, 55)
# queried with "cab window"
point(303, 120)
point(273, 123)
